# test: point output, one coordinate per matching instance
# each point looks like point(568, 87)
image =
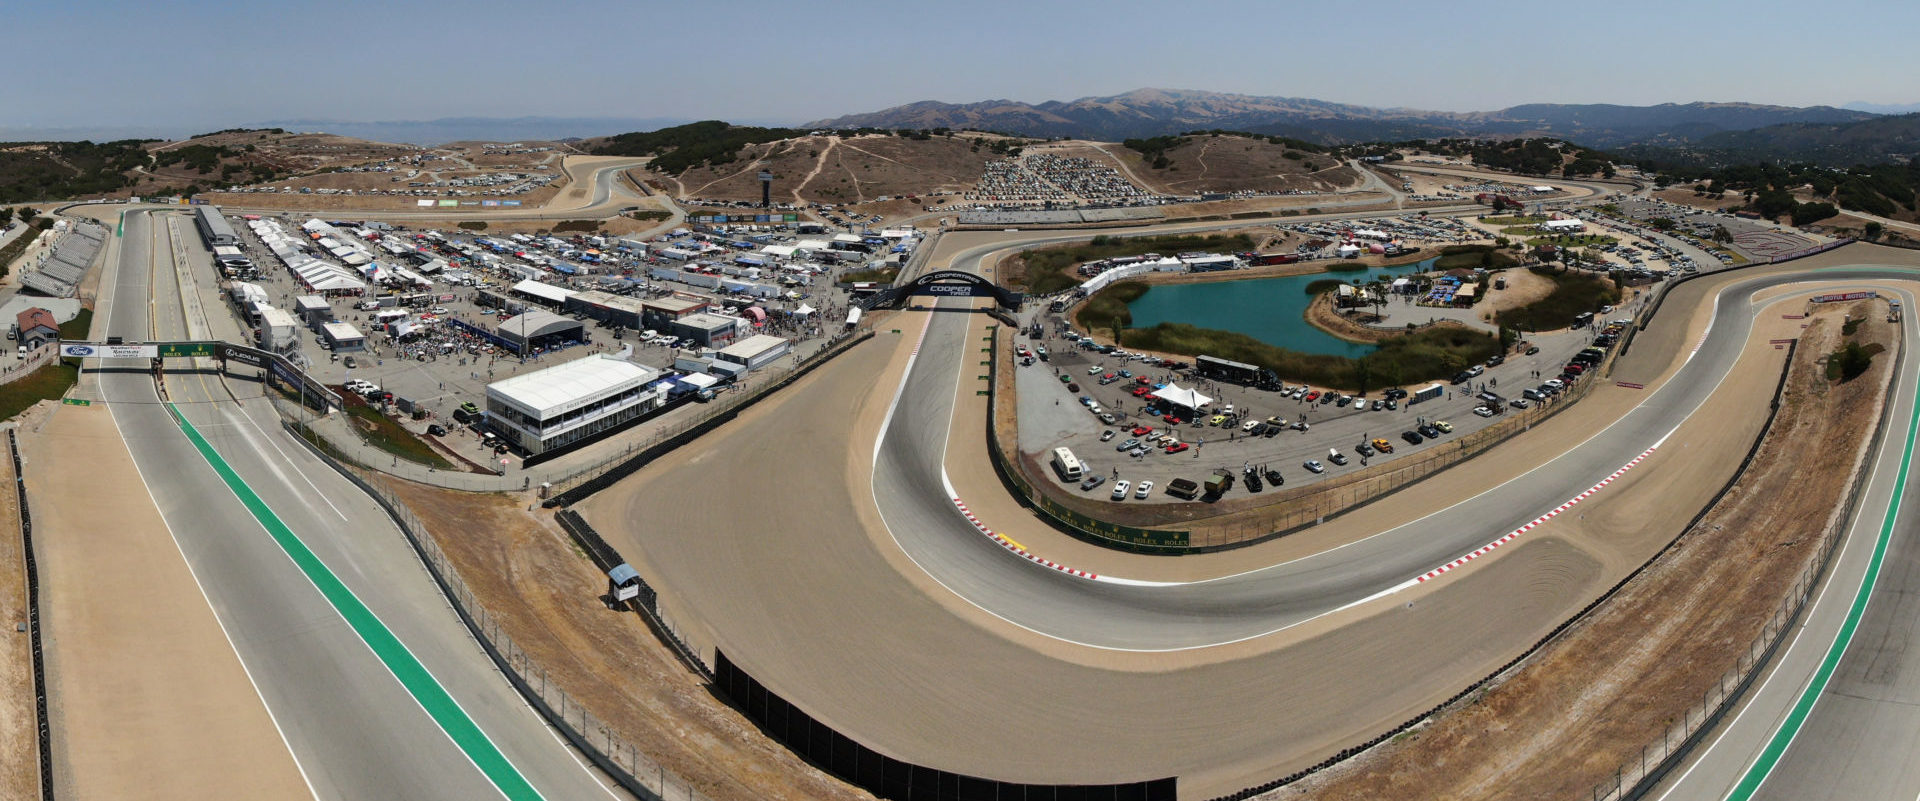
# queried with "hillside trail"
point(819, 164)
point(753, 164)
point(914, 167)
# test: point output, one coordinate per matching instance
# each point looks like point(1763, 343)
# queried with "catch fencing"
point(593, 478)
point(612, 754)
point(1287, 512)
point(1635, 778)
point(44, 734)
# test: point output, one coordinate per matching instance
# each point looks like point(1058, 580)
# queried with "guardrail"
point(41, 722)
point(1544, 641)
point(1295, 510)
point(1634, 779)
point(592, 479)
point(647, 603)
point(617, 758)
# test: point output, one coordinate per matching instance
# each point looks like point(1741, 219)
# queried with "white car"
point(1141, 492)
point(1120, 489)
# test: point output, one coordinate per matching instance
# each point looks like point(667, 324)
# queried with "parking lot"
point(1245, 430)
point(435, 366)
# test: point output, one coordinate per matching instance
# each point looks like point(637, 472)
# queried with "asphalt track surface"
point(913, 494)
point(884, 649)
point(352, 727)
point(1834, 716)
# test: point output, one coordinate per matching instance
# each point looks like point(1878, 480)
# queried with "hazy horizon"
point(189, 69)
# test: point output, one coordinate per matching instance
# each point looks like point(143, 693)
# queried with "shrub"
point(1573, 294)
point(474, 225)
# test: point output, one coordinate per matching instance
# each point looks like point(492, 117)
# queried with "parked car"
point(1106, 435)
point(1444, 426)
point(1483, 411)
point(1383, 446)
point(1314, 466)
point(1412, 437)
point(1120, 489)
point(1177, 447)
point(436, 430)
point(1127, 446)
point(1428, 431)
point(1092, 481)
point(1336, 457)
point(1145, 488)
point(1363, 449)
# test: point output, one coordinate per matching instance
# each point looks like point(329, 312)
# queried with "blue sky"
point(205, 65)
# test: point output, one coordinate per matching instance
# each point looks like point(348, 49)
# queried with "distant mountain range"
point(1153, 112)
point(1877, 140)
point(478, 129)
point(1883, 108)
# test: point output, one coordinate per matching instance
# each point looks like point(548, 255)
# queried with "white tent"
point(804, 310)
point(1181, 396)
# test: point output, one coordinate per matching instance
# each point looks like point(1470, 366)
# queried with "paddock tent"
point(1181, 396)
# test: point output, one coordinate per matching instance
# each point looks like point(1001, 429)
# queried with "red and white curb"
point(1536, 522)
point(1022, 552)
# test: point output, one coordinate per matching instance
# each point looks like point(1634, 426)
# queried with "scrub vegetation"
point(1422, 355)
point(1047, 270)
point(1573, 294)
point(47, 383)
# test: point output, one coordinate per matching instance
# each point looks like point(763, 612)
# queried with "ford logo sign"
point(80, 350)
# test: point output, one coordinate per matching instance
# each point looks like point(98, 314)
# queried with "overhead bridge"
point(227, 352)
point(947, 284)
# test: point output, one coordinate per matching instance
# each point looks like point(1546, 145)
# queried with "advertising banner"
point(79, 350)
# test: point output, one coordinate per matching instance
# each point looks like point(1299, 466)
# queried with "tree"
point(1721, 234)
point(6, 215)
point(1848, 362)
point(1873, 230)
point(27, 213)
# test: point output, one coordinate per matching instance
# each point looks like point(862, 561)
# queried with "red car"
point(1313, 396)
point(1171, 420)
point(1143, 381)
point(1140, 392)
point(1140, 431)
point(1178, 447)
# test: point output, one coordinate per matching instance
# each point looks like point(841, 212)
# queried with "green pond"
point(1272, 310)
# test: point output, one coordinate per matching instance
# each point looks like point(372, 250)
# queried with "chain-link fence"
point(723, 406)
point(1289, 510)
point(1637, 776)
point(618, 758)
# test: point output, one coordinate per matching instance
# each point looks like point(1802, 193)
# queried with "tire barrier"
point(45, 733)
point(1346, 753)
point(890, 778)
point(620, 467)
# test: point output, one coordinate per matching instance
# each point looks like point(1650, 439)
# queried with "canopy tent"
point(804, 310)
point(1181, 396)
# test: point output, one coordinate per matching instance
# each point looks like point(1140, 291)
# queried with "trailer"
point(1426, 393)
point(1264, 259)
point(1234, 372)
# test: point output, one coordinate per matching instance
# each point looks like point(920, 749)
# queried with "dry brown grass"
point(1229, 163)
point(529, 575)
point(1591, 699)
point(842, 171)
point(19, 748)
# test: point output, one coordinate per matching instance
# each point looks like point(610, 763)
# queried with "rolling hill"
point(1871, 141)
point(1155, 112)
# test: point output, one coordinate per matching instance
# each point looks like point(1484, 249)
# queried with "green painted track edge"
point(1776, 748)
point(427, 691)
